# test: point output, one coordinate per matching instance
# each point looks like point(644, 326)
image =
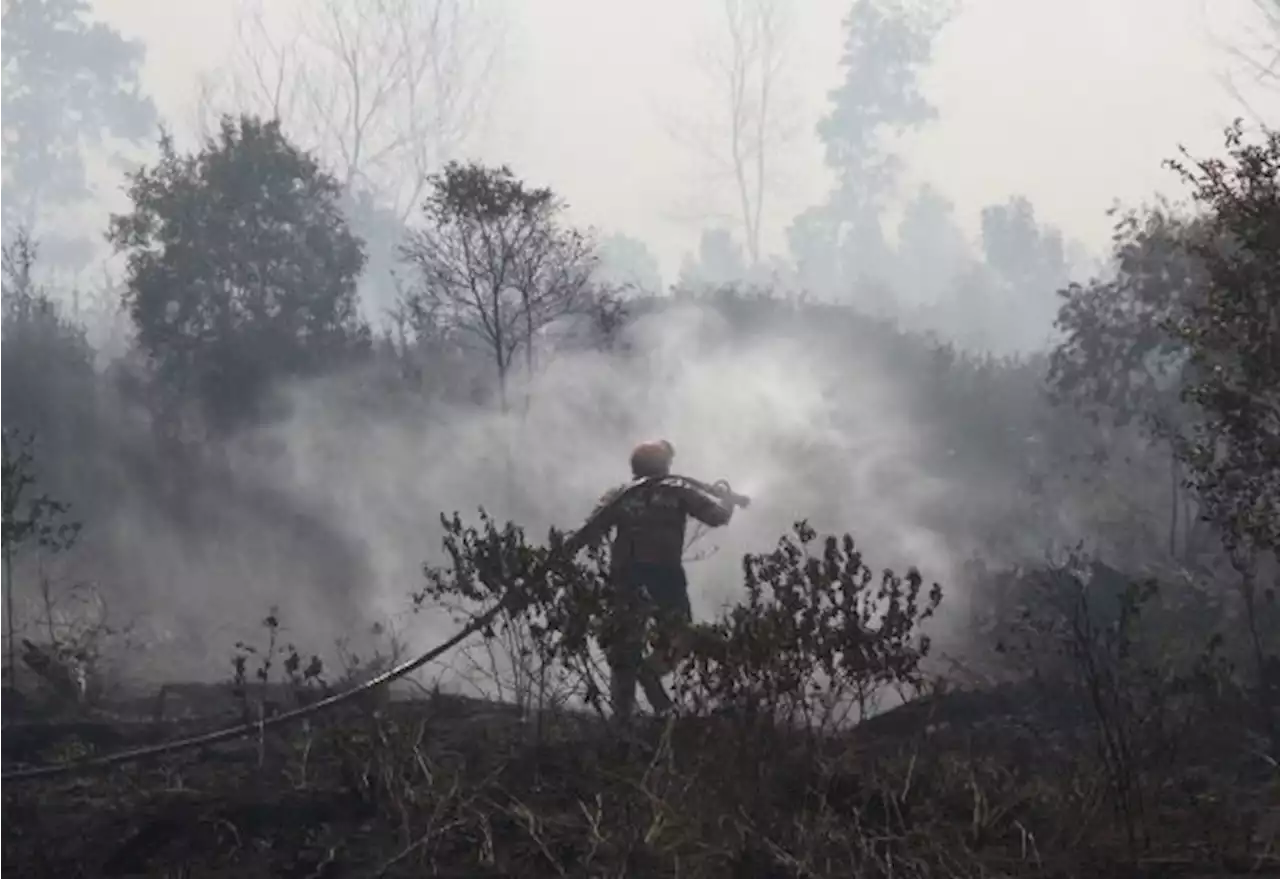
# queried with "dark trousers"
point(645, 593)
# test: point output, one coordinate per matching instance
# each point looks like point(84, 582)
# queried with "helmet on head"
point(652, 459)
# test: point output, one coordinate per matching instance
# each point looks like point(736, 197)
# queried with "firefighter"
point(647, 570)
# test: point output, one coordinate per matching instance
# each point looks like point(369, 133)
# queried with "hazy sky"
point(1074, 104)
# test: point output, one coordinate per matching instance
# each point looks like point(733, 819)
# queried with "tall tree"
point(887, 43)
point(496, 262)
point(1232, 337)
point(1255, 59)
point(241, 269)
point(745, 135)
point(69, 84)
point(1118, 360)
point(384, 92)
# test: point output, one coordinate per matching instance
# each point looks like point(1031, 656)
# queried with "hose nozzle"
point(726, 491)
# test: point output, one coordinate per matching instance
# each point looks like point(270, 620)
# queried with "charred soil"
point(959, 785)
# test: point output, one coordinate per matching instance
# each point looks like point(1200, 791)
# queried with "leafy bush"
point(811, 627)
point(814, 630)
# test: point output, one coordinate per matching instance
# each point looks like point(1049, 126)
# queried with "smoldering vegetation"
point(327, 509)
point(1003, 602)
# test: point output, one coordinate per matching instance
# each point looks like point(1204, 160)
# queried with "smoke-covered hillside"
point(250, 386)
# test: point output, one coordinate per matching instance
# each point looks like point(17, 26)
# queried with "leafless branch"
point(1254, 62)
point(495, 262)
point(744, 64)
point(384, 91)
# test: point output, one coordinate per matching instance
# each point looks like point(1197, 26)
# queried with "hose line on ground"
point(216, 737)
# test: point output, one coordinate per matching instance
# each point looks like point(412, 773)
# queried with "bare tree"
point(383, 91)
point(495, 262)
point(1254, 60)
point(744, 63)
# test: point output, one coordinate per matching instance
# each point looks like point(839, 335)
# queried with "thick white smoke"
point(807, 427)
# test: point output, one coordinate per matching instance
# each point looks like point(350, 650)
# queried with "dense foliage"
point(241, 269)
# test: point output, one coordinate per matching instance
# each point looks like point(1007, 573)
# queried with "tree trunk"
point(10, 625)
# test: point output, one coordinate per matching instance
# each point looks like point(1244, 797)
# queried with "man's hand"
point(729, 495)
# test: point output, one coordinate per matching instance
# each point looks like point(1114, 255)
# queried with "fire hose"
point(510, 602)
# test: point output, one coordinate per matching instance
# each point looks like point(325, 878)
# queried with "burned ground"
point(959, 784)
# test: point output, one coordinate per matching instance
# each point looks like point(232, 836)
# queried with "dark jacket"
point(649, 524)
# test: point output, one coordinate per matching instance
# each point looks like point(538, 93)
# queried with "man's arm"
point(598, 524)
point(706, 507)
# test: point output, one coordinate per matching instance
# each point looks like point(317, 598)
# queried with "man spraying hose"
point(651, 464)
point(647, 569)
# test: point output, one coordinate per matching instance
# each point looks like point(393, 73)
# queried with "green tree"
point(1232, 338)
point(496, 263)
point(887, 42)
point(241, 268)
point(1118, 361)
point(69, 83)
